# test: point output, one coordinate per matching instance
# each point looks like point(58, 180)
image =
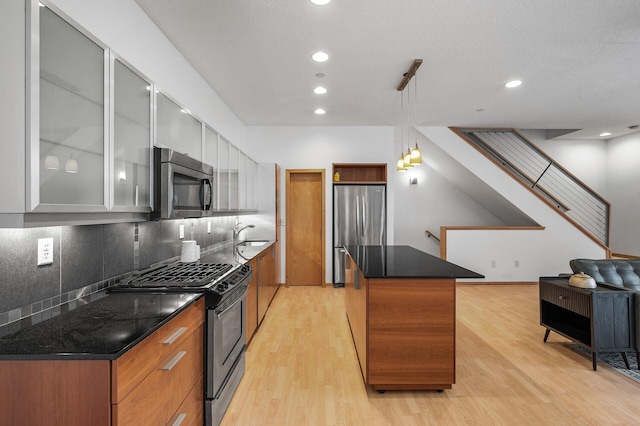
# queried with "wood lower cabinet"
point(403, 330)
point(151, 381)
point(155, 383)
point(267, 286)
point(252, 300)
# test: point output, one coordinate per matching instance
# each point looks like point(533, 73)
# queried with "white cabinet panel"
point(131, 139)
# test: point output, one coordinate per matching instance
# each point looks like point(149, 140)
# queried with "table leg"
point(546, 334)
point(626, 361)
point(595, 357)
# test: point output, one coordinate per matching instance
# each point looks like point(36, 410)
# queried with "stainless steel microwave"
point(183, 186)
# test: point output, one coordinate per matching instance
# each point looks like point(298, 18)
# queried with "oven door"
point(225, 342)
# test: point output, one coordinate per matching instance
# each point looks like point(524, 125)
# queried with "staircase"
point(548, 180)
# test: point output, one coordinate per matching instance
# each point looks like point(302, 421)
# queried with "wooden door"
point(305, 227)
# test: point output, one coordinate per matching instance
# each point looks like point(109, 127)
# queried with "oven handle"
point(239, 299)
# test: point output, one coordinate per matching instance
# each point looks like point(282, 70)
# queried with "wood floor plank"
point(302, 370)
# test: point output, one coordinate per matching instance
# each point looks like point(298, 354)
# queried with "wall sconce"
point(413, 181)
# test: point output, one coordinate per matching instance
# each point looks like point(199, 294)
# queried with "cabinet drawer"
point(574, 301)
point(191, 412)
point(131, 368)
point(157, 398)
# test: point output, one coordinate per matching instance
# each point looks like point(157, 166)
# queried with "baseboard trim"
point(472, 283)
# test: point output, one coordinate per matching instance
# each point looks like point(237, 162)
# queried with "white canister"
point(188, 252)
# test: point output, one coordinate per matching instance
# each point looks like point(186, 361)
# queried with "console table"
point(598, 319)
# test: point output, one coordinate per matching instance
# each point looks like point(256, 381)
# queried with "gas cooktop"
point(185, 275)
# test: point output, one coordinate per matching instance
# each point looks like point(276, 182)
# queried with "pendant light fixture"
point(400, 164)
point(412, 157)
point(416, 155)
point(51, 162)
point(71, 166)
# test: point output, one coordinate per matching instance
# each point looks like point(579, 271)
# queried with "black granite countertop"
point(99, 329)
point(404, 262)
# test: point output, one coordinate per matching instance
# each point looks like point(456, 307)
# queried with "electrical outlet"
point(493, 263)
point(181, 231)
point(45, 251)
point(208, 227)
point(516, 263)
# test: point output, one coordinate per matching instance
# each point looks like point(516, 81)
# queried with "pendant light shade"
point(71, 166)
point(51, 162)
point(407, 159)
point(400, 164)
point(416, 156)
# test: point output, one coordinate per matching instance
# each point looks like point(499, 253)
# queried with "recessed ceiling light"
point(319, 90)
point(320, 2)
point(320, 111)
point(513, 83)
point(319, 56)
point(603, 134)
point(320, 75)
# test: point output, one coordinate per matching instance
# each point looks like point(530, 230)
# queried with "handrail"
point(432, 235)
point(552, 183)
point(524, 175)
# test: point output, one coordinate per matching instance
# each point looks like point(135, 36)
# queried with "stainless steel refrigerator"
point(359, 218)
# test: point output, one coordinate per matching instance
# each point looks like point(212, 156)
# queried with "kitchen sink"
point(252, 243)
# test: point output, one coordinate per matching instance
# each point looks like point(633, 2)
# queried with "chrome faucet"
point(237, 229)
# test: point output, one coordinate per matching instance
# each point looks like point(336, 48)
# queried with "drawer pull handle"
point(179, 419)
point(174, 361)
point(175, 336)
point(562, 297)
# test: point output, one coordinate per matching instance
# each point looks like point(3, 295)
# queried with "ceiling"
point(578, 59)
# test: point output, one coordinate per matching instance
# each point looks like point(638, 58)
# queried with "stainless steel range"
point(225, 289)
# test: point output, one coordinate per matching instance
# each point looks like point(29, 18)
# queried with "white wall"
point(126, 29)
point(433, 202)
point(318, 147)
point(623, 191)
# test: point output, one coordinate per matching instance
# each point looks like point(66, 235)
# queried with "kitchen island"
point(400, 305)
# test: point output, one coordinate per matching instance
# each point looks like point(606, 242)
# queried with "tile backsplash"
point(89, 258)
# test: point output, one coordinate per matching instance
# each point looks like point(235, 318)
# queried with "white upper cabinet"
point(211, 158)
point(233, 177)
point(177, 129)
point(223, 174)
point(79, 124)
point(70, 139)
point(131, 133)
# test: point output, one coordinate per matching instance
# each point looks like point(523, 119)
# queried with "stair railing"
point(553, 183)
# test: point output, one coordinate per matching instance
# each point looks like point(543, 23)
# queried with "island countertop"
point(400, 261)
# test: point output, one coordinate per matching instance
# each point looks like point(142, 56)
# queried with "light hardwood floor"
point(302, 370)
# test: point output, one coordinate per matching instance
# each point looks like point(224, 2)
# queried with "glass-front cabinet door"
point(71, 146)
point(233, 177)
point(131, 134)
point(223, 174)
point(211, 158)
point(242, 182)
point(177, 129)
